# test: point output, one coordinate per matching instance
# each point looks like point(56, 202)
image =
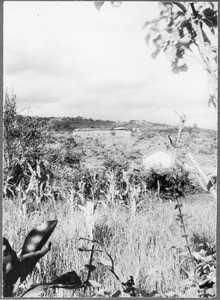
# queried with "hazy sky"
point(68, 59)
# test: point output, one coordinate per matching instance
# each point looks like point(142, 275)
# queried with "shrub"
point(25, 140)
point(116, 163)
point(169, 182)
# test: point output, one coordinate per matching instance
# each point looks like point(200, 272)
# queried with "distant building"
point(92, 132)
point(119, 128)
point(121, 131)
point(135, 131)
point(86, 129)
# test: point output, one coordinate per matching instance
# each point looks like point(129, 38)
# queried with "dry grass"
point(146, 246)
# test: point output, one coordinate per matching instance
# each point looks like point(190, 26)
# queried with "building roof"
point(86, 129)
point(120, 128)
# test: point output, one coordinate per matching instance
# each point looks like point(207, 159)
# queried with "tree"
point(187, 28)
point(181, 29)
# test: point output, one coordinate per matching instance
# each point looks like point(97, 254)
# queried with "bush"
point(116, 163)
point(170, 182)
point(25, 139)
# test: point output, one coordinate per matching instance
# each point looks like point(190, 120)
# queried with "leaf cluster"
point(201, 280)
point(16, 267)
point(175, 31)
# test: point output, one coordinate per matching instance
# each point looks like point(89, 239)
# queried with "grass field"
point(142, 234)
point(147, 246)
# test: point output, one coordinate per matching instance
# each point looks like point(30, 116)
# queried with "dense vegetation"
point(157, 225)
point(122, 230)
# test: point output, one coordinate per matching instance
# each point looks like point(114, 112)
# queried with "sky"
point(67, 59)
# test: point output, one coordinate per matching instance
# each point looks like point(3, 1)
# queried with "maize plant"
point(16, 267)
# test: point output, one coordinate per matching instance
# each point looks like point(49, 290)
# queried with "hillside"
point(68, 124)
point(95, 185)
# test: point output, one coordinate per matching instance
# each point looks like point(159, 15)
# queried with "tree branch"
point(195, 13)
point(180, 5)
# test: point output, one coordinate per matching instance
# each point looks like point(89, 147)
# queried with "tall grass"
point(147, 246)
point(49, 174)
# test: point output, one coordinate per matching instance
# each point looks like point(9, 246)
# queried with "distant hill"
point(70, 124)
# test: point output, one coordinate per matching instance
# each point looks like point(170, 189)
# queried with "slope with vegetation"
point(98, 190)
point(121, 230)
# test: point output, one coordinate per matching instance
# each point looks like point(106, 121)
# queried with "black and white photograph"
point(110, 143)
